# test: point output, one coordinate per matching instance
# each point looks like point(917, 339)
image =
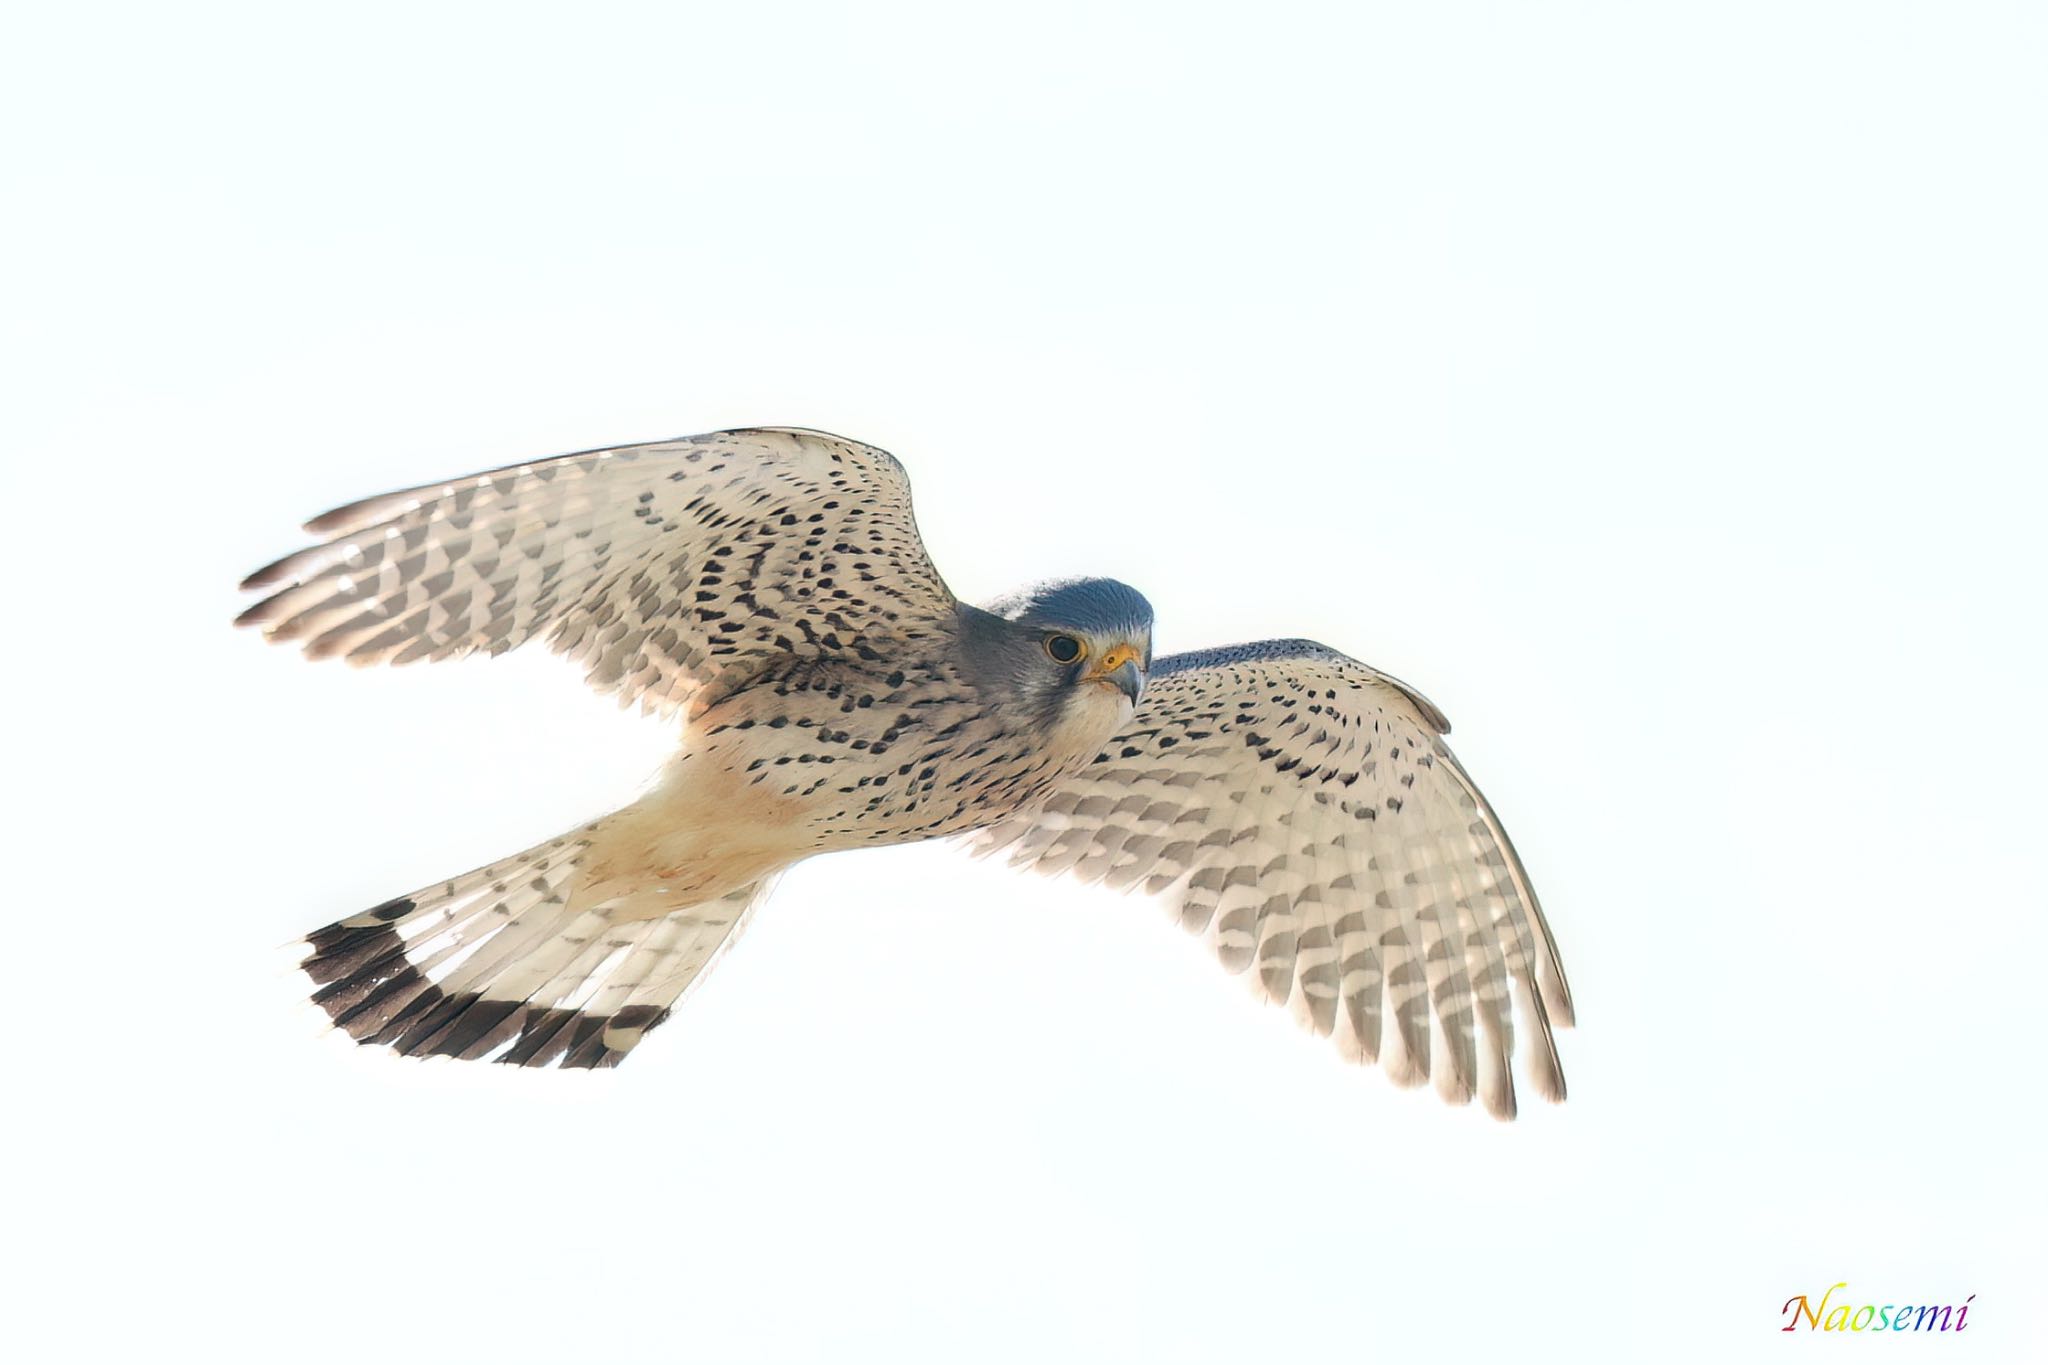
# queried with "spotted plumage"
point(769, 588)
point(1302, 811)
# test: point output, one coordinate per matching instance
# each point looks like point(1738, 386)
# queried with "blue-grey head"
point(1070, 644)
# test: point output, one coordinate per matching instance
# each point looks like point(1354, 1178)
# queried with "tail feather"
point(495, 963)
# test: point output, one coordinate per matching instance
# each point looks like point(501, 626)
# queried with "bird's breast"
point(863, 761)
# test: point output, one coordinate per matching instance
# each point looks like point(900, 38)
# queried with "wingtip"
point(1557, 1001)
point(1402, 1064)
point(339, 518)
point(269, 575)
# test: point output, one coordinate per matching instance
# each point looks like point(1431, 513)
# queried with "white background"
point(1658, 387)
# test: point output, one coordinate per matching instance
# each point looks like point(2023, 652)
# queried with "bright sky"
point(1656, 387)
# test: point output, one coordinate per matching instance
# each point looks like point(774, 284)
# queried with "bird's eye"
point(1064, 648)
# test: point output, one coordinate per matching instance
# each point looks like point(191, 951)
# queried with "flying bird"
point(768, 587)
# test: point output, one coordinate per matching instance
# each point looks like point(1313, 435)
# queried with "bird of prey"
point(768, 587)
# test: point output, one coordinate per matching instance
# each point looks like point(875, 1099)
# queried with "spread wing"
point(665, 568)
point(1302, 810)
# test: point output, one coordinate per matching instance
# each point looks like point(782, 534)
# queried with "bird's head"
point(1079, 647)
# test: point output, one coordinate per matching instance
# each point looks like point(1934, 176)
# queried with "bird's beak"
point(1119, 668)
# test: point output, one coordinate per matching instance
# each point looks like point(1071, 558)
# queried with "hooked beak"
point(1119, 668)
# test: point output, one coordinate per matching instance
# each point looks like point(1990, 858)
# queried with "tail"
point(496, 964)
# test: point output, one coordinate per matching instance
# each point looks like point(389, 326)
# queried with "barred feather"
point(496, 963)
point(664, 568)
point(1304, 809)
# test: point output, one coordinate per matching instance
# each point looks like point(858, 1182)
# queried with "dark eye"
point(1064, 648)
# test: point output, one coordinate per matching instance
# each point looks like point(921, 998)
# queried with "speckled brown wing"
point(1302, 810)
point(667, 569)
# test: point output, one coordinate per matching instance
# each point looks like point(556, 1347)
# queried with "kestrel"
point(769, 587)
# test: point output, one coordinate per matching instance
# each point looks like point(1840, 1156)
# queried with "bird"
point(767, 590)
